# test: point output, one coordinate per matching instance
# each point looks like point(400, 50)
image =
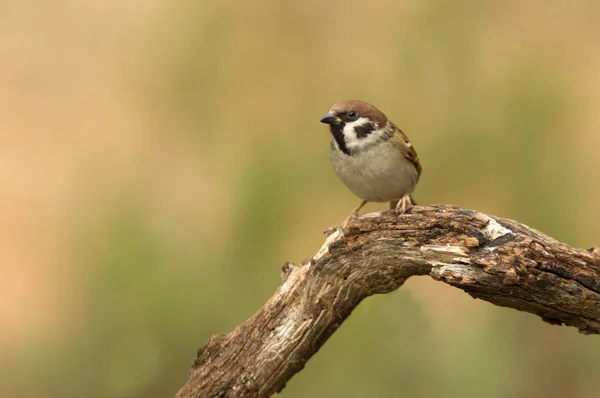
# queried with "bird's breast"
point(378, 174)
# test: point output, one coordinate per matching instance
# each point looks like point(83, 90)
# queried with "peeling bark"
point(491, 258)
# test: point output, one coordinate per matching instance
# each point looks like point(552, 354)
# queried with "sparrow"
point(372, 156)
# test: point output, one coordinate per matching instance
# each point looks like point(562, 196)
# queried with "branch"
point(491, 258)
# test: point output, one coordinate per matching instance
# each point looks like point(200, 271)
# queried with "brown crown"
point(363, 109)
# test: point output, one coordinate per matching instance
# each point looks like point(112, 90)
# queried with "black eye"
point(352, 116)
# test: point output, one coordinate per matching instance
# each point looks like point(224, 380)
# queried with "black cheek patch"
point(364, 130)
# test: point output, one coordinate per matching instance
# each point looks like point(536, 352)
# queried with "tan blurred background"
point(159, 161)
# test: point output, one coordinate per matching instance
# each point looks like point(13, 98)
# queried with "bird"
point(372, 156)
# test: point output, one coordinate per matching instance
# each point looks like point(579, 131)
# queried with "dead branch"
point(491, 258)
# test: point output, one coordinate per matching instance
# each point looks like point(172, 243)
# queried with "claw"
point(347, 221)
point(353, 215)
point(404, 204)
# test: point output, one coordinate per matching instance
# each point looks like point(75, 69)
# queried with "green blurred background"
point(159, 161)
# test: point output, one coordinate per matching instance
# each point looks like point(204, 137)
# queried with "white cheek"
point(350, 134)
point(352, 141)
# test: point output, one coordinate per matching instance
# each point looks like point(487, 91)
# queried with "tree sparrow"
point(372, 156)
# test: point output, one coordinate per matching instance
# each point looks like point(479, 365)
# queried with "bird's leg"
point(360, 206)
point(353, 214)
point(404, 204)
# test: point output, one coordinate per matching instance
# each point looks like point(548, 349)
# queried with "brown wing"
point(411, 153)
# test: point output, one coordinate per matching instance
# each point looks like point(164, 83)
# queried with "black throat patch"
point(337, 131)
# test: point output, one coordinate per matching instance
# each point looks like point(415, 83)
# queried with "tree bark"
point(491, 258)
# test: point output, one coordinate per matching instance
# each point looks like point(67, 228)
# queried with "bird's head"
point(355, 124)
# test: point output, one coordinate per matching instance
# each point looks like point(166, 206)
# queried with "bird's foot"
point(404, 205)
point(353, 215)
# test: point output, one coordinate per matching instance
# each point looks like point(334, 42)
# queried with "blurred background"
point(159, 161)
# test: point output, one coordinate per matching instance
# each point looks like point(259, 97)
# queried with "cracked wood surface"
point(491, 258)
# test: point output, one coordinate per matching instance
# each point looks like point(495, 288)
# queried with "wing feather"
point(411, 154)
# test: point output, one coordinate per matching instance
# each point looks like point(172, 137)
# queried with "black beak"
point(330, 118)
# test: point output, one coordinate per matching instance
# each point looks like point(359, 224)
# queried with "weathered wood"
point(491, 258)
